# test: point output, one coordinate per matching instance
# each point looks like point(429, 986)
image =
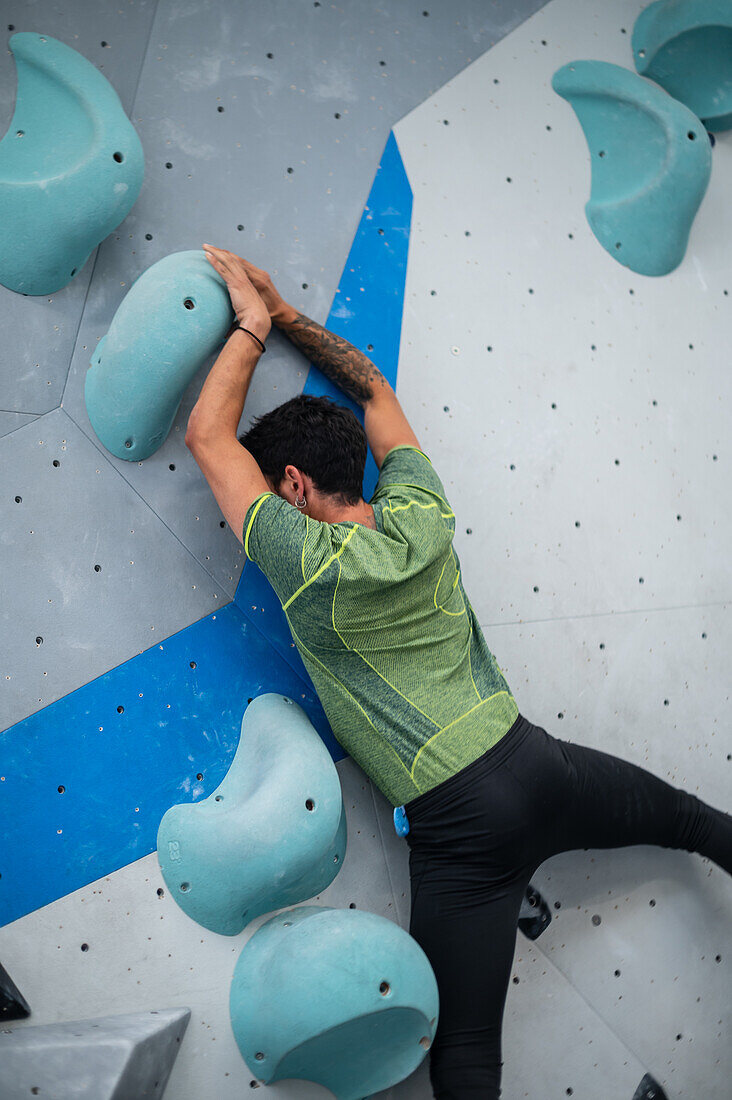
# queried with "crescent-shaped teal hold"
point(651, 162)
point(686, 47)
point(71, 166)
point(342, 997)
point(273, 833)
point(172, 318)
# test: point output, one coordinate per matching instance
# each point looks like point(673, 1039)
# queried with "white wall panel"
point(578, 415)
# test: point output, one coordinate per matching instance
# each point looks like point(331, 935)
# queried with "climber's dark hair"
point(323, 439)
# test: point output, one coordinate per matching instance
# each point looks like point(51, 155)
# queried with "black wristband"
point(252, 334)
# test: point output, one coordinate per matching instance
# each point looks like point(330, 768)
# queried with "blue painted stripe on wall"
point(122, 771)
point(369, 302)
point(179, 721)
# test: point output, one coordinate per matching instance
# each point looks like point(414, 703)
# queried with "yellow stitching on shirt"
point(403, 507)
point(332, 675)
point(358, 652)
point(392, 686)
point(251, 521)
point(456, 720)
point(457, 578)
point(322, 569)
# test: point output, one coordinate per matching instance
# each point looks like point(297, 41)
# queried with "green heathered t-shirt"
point(385, 629)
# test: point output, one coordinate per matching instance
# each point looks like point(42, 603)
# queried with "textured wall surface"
point(574, 410)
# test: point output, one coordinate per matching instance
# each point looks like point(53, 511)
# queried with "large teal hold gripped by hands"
point(651, 163)
point(342, 997)
point(71, 166)
point(272, 834)
point(686, 47)
point(174, 316)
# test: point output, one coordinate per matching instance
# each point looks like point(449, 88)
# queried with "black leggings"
point(474, 842)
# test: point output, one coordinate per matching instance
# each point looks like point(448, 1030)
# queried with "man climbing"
point(374, 598)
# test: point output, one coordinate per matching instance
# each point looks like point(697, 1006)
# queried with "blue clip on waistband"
point(401, 824)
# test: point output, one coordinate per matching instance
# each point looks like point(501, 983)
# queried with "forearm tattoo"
point(338, 359)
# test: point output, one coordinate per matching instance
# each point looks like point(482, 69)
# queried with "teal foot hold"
point(651, 162)
point(686, 47)
point(174, 316)
point(341, 997)
point(71, 166)
point(272, 834)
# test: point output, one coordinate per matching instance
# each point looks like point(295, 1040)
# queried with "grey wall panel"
point(643, 935)
point(575, 485)
point(9, 421)
point(554, 1043)
point(651, 687)
point(74, 513)
point(39, 333)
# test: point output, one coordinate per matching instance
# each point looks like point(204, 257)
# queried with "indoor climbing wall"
point(412, 181)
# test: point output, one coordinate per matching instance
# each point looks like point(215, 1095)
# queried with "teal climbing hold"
point(341, 997)
point(71, 166)
point(173, 317)
point(272, 834)
point(651, 162)
point(686, 47)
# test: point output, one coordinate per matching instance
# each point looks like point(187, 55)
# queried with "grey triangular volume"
point(108, 1058)
point(649, 1089)
point(13, 1005)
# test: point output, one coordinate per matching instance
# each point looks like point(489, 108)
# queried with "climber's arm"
point(233, 475)
point(384, 421)
point(231, 471)
point(385, 424)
